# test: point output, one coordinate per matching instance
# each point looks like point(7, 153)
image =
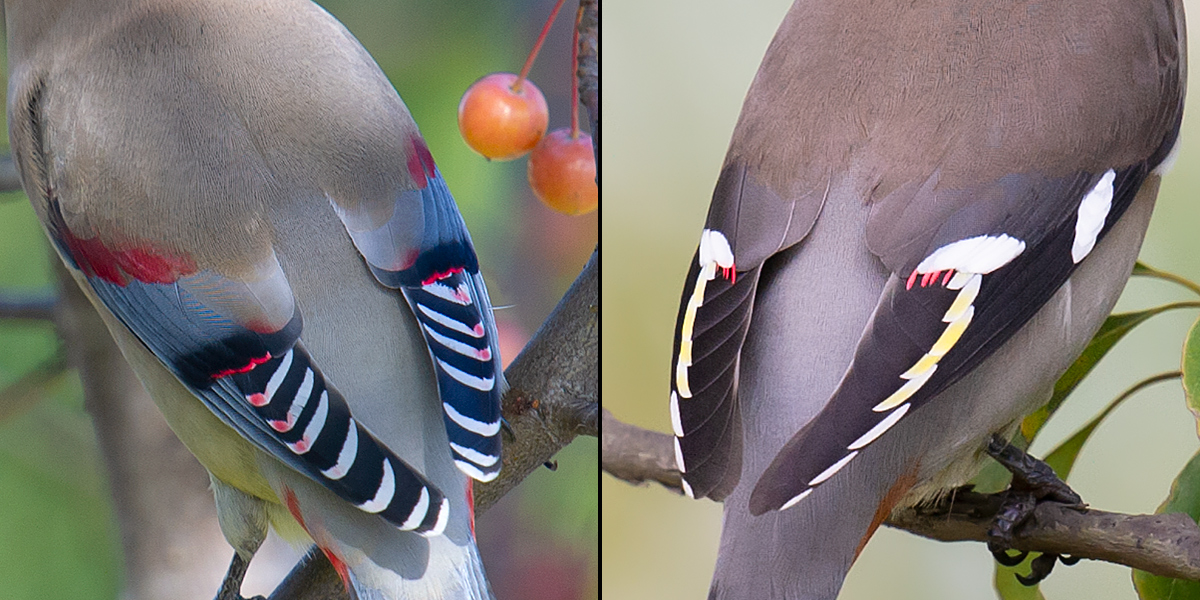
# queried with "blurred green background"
point(675, 73)
point(58, 539)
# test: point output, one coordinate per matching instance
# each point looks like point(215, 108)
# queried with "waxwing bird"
point(253, 211)
point(925, 212)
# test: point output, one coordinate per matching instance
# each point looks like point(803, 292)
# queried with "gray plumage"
point(198, 163)
point(895, 132)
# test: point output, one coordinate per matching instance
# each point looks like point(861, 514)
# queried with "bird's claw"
point(1033, 481)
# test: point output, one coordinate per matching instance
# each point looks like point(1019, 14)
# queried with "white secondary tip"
point(676, 422)
point(679, 457)
point(439, 527)
point(979, 254)
point(715, 248)
point(1093, 210)
point(796, 500)
point(687, 489)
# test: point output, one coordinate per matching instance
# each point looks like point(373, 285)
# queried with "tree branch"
point(1167, 545)
point(35, 309)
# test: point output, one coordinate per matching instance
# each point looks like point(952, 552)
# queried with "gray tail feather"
point(465, 581)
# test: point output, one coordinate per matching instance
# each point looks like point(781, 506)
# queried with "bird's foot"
point(1033, 481)
point(231, 587)
point(1032, 475)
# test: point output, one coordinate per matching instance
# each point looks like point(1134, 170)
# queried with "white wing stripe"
point(346, 456)
point(796, 499)
point(387, 489)
point(880, 427)
point(301, 399)
point(457, 295)
point(827, 473)
point(314, 426)
point(475, 456)
point(467, 379)
point(475, 472)
point(418, 512)
point(278, 376)
point(472, 425)
point(443, 320)
point(459, 347)
point(1093, 210)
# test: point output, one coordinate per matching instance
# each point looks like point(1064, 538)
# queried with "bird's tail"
point(452, 573)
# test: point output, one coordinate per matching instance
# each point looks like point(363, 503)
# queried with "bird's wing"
point(970, 267)
point(234, 342)
point(418, 243)
point(748, 221)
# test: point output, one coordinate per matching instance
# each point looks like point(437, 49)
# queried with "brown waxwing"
point(926, 211)
point(253, 211)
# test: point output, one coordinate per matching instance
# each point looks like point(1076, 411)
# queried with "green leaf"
point(1115, 327)
point(1191, 370)
point(1184, 497)
point(993, 477)
point(1007, 586)
point(1143, 270)
point(1062, 458)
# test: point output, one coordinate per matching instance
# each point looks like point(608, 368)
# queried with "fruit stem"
point(575, 74)
point(537, 46)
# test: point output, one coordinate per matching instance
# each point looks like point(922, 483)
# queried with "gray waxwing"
point(250, 206)
point(926, 211)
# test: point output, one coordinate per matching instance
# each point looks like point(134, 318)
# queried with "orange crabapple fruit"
point(502, 116)
point(562, 172)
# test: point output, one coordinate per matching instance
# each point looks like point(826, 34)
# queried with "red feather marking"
point(441, 275)
point(293, 506)
point(461, 294)
point(254, 362)
point(258, 399)
point(420, 163)
point(339, 565)
point(410, 258)
point(151, 266)
point(285, 425)
point(143, 262)
point(95, 260)
point(946, 279)
point(911, 280)
point(471, 503)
